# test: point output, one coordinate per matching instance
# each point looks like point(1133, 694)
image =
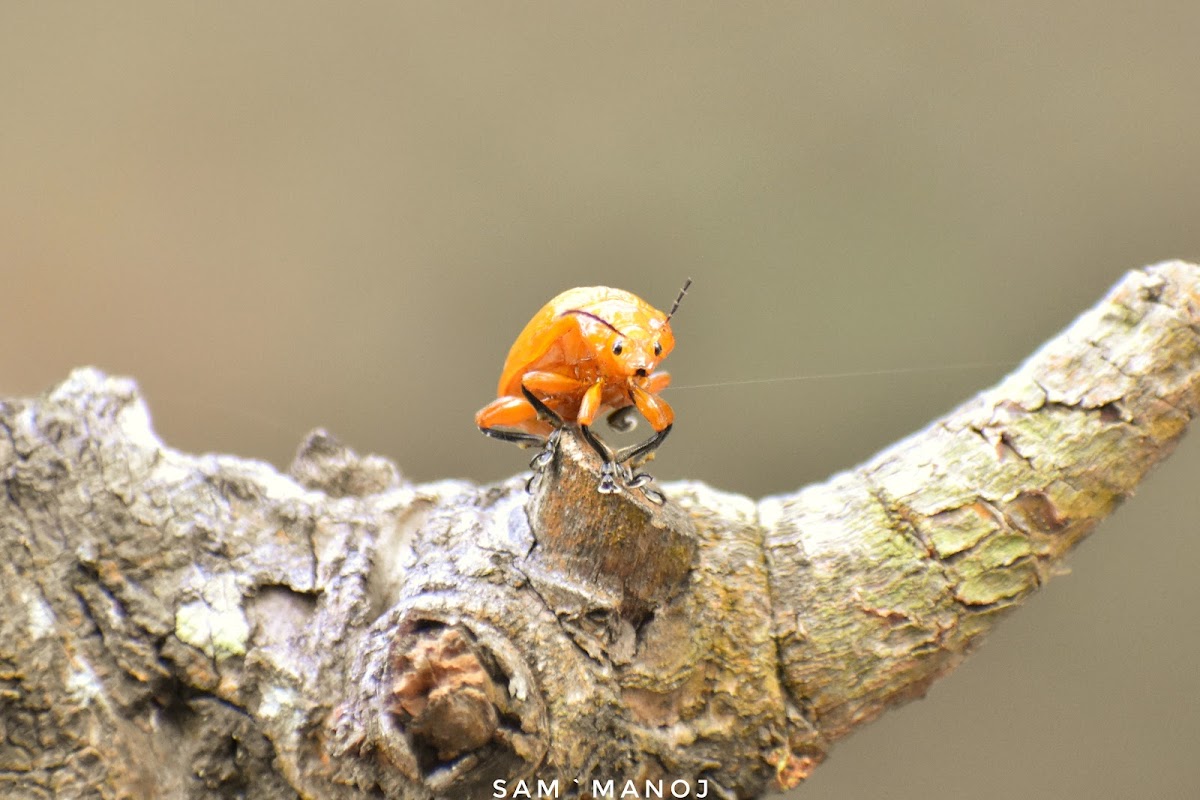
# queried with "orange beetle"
point(589, 351)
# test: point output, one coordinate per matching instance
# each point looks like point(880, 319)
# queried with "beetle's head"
point(629, 344)
point(636, 351)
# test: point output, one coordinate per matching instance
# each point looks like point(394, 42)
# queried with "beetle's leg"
point(546, 454)
point(516, 437)
point(549, 384)
point(654, 495)
point(623, 420)
point(509, 412)
point(637, 454)
point(544, 412)
point(599, 445)
point(522, 411)
point(659, 414)
point(639, 480)
point(589, 404)
point(543, 458)
point(588, 407)
point(657, 382)
point(611, 469)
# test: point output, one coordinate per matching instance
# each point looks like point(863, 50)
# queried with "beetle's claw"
point(542, 459)
point(546, 454)
point(642, 480)
point(654, 496)
point(608, 479)
point(618, 467)
point(639, 480)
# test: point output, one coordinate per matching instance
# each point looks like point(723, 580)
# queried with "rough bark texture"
point(201, 626)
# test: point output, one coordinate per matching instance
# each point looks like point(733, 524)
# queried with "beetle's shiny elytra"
point(588, 352)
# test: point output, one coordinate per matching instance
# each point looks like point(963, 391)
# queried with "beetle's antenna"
point(678, 300)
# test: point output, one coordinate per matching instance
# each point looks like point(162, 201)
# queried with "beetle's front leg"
point(610, 469)
point(544, 412)
point(589, 406)
point(637, 454)
point(660, 416)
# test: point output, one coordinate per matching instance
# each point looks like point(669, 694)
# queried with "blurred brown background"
point(288, 216)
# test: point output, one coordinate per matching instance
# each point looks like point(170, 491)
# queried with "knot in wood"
point(444, 696)
point(448, 703)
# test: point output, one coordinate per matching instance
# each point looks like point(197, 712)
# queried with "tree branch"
point(188, 626)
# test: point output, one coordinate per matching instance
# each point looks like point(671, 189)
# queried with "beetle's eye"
point(658, 348)
point(617, 348)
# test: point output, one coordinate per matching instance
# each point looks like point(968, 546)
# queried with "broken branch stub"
point(624, 549)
